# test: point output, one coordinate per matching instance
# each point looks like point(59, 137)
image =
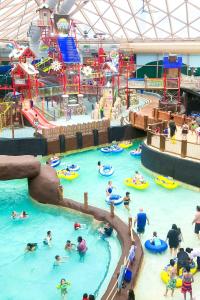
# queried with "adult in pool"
point(196, 221)
point(81, 247)
point(141, 221)
point(110, 188)
point(173, 239)
point(106, 231)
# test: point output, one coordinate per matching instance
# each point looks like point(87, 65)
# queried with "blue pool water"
point(32, 275)
point(164, 207)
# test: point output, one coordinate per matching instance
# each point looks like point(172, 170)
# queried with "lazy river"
point(164, 207)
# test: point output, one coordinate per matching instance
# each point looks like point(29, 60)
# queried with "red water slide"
point(30, 115)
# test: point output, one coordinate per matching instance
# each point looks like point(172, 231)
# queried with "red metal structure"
point(126, 70)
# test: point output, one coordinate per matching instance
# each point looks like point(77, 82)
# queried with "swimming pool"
point(32, 275)
point(164, 207)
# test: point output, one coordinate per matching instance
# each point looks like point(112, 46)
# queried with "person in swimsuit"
point(63, 286)
point(141, 221)
point(69, 246)
point(36, 122)
point(196, 221)
point(109, 189)
point(127, 201)
point(187, 283)
point(171, 285)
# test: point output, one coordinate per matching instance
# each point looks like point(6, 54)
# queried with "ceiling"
point(117, 20)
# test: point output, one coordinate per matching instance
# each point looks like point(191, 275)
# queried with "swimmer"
point(30, 247)
point(47, 240)
point(69, 246)
point(81, 247)
point(63, 286)
point(59, 260)
point(23, 215)
point(138, 178)
point(78, 226)
point(14, 215)
point(99, 165)
point(110, 188)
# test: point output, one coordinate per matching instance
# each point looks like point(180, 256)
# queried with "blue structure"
point(68, 50)
point(167, 64)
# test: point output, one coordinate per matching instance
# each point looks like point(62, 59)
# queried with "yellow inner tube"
point(165, 275)
point(125, 146)
point(166, 182)
point(63, 174)
point(137, 185)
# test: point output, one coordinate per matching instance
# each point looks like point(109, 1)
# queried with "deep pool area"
point(164, 207)
point(32, 275)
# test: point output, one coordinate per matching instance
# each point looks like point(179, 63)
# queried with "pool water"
point(32, 275)
point(164, 207)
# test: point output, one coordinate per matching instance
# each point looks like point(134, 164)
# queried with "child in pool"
point(23, 215)
point(85, 296)
point(69, 246)
point(31, 247)
point(47, 240)
point(14, 215)
point(155, 240)
point(59, 260)
point(63, 286)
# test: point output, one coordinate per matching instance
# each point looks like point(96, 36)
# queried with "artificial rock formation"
point(18, 167)
point(45, 187)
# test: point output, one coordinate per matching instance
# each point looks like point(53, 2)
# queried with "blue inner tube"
point(135, 153)
point(54, 163)
point(156, 249)
point(106, 170)
point(106, 150)
point(117, 199)
point(74, 168)
point(116, 149)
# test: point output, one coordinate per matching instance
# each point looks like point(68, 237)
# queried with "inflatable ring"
point(116, 199)
point(136, 185)
point(135, 153)
point(156, 249)
point(73, 167)
point(125, 145)
point(63, 174)
point(55, 162)
point(106, 170)
point(165, 275)
point(166, 182)
point(106, 150)
point(116, 149)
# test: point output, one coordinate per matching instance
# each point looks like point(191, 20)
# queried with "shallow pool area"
point(164, 208)
point(32, 275)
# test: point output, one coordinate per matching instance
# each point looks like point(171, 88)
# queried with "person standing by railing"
point(184, 131)
point(198, 134)
point(172, 128)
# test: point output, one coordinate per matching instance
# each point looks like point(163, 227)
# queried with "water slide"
point(29, 114)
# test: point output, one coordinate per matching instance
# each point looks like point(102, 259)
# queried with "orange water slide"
point(30, 115)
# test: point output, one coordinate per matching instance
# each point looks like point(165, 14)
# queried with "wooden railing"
point(5, 114)
point(175, 146)
point(71, 130)
point(142, 122)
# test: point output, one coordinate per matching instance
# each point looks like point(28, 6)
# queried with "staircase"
point(68, 50)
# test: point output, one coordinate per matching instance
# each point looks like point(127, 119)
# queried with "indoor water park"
point(99, 149)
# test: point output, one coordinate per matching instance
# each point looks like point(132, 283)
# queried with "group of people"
point(16, 215)
point(171, 129)
point(88, 297)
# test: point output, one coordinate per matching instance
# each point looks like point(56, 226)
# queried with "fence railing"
point(71, 130)
point(182, 148)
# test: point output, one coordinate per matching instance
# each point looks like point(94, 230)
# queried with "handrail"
point(52, 117)
point(3, 114)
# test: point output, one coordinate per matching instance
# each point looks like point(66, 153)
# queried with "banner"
point(62, 23)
